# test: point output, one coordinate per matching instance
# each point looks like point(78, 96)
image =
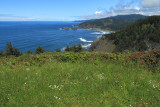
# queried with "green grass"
point(78, 84)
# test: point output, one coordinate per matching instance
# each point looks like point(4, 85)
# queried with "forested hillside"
point(142, 35)
point(112, 23)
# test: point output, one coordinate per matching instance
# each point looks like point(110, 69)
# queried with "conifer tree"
point(10, 50)
point(39, 50)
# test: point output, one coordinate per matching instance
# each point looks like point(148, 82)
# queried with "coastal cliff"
point(102, 45)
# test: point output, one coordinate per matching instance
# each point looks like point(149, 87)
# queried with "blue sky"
point(58, 10)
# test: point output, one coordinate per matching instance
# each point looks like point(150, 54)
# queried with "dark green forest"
point(142, 35)
point(114, 23)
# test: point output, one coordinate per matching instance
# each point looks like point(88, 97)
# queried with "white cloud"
point(98, 12)
point(113, 12)
point(128, 8)
point(150, 3)
point(137, 8)
point(123, 11)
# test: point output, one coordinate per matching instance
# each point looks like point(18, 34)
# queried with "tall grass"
point(78, 84)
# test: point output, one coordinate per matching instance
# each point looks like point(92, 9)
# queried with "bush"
point(67, 49)
point(75, 48)
point(29, 52)
point(40, 50)
point(58, 50)
point(2, 53)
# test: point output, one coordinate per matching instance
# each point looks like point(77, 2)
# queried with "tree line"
point(10, 50)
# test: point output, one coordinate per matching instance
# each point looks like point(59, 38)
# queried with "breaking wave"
point(84, 40)
point(100, 33)
point(86, 46)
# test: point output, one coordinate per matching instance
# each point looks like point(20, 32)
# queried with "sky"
point(69, 10)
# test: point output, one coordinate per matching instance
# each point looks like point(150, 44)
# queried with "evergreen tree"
point(79, 48)
point(67, 49)
point(10, 50)
point(29, 52)
point(58, 50)
point(39, 50)
point(1, 53)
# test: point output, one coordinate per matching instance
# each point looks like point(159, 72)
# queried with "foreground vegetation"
point(80, 79)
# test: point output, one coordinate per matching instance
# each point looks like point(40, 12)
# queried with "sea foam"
point(84, 40)
point(100, 33)
point(86, 46)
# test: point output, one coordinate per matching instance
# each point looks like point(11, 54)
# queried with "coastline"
point(102, 30)
point(97, 29)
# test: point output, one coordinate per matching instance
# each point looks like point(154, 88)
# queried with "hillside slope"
point(111, 23)
point(142, 35)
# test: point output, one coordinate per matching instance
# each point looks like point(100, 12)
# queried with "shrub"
point(1, 53)
point(75, 48)
point(67, 49)
point(58, 50)
point(39, 50)
point(29, 52)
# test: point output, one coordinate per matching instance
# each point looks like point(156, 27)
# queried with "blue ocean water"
point(48, 34)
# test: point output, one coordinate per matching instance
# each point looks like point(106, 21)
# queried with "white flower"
point(154, 86)
point(59, 87)
point(100, 76)
point(56, 86)
point(57, 97)
point(150, 81)
point(27, 69)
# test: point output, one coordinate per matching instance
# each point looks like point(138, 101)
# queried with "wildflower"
point(116, 81)
point(27, 69)
point(56, 86)
point(59, 87)
point(154, 86)
point(86, 78)
point(57, 97)
point(100, 76)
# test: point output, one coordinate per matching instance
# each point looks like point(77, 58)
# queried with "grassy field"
point(92, 83)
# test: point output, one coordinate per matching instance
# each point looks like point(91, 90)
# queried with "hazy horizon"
point(71, 10)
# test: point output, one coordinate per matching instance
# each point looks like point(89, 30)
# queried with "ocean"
point(47, 34)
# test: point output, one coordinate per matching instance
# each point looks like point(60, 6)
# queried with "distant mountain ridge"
point(113, 23)
point(142, 35)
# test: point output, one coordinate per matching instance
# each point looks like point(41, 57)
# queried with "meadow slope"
point(77, 79)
